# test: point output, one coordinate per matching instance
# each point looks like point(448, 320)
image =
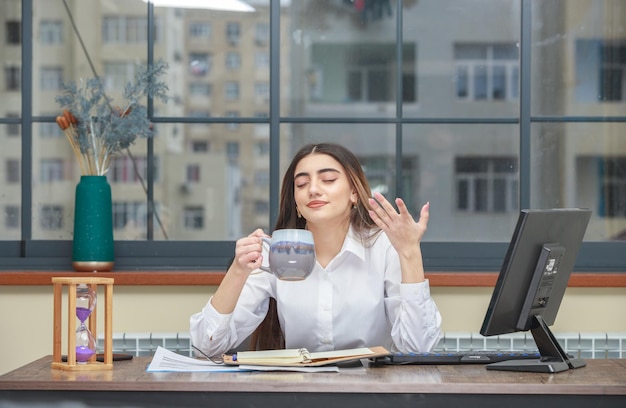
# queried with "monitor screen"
point(532, 281)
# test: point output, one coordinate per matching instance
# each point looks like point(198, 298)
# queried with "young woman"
point(367, 288)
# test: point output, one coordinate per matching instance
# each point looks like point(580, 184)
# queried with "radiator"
point(583, 345)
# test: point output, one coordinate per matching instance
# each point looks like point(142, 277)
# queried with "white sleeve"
point(215, 333)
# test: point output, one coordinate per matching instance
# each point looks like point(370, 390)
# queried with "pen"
point(212, 359)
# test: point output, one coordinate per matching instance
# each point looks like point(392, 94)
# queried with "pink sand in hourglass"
point(83, 353)
point(82, 313)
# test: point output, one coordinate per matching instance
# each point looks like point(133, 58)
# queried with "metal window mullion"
point(524, 95)
point(399, 112)
point(274, 110)
point(150, 141)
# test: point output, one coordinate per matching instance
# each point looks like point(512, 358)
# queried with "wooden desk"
point(601, 384)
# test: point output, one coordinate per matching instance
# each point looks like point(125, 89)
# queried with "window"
point(367, 70)
point(199, 89)
point(122, 29)
point(261, 60)
point(231, 91)
point(51, 78)
point(129, 214)
point(117, 74)
point(50, 32)
point(341, 76)
point(12, 171)
point(12, 78)
point(193, 173)
point(233, 32)
point(14, 32)
point(486, 72)
point(232, 125)
point(612, 171)
point(11, 216)
point(262, 34)
point(51, 170)
point(199, 146)
point(199, 63)
point(486, 184)
point(233, 60)
point(193, 218)
point(262, 92)
point(200, 30)
point(49, 130)
point(13, 129)
point(123, 169)
point(51, 217)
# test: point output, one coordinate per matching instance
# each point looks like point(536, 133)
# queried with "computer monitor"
point(532, 282)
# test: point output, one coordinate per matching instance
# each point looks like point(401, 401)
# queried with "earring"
point(298, 211)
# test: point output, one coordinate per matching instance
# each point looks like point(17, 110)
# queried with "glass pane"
point(11, 57)
point(469, 174)
point(374, 146)
point(582, 165)
point(460, 58)
point(215, 184)
point(341, 59)
point(579, 57)
point(11, 178)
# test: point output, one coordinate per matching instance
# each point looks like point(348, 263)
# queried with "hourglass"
point(81, 341)
point(86, 343)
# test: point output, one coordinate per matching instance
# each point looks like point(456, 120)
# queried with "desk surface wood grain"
point(600, 377)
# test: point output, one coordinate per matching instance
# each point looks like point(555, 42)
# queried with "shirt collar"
point(353, 244)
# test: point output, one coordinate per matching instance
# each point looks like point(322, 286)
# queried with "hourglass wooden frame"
point(71, 363)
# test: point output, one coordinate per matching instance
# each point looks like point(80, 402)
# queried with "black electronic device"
point(531, 284)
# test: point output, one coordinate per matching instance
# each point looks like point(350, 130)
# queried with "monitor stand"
point(553, 358)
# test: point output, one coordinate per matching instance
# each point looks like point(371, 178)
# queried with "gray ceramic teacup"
point(291, 254)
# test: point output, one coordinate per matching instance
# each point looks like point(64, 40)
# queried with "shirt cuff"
point(415, 291)
point(215, 319)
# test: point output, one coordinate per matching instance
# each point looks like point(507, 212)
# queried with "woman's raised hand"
point(404, 233)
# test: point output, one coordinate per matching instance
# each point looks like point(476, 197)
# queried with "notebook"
point(302, 357)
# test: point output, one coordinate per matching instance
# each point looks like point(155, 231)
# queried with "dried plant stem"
point(70, 133)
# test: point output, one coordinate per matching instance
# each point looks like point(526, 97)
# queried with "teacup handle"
point(269, 243)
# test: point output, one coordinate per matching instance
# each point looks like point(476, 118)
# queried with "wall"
point(26, 313)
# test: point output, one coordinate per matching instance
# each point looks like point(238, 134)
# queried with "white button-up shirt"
point(356, 301)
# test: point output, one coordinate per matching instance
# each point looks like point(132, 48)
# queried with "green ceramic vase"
point(92, 249)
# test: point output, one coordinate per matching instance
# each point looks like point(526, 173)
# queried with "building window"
point(49, 130)
point(129, 214)
point(262, 60)
point(51, 78)
point(262, 92)
point(232, 125)
point(233, 60)
point(118, 74)
point(199, 63)
point(128, 29)
point(51, 217)
point(193, 218)
point(199, 146)
point(231, 91)
point(51, 32)
point(51, 170)
point(487, 72)
point(12, 78)
point(13, 129)
point(261, 207)
point(12, 171)
point(232, 151)
point(199, 89)
point(612, 172)
point(12, 216)
point(486, 184)
point(262, 34)
point(14, 32)
point(233, 32)
point(200, 30)
point(262, 178)
point(124, 170)
point(193, 173)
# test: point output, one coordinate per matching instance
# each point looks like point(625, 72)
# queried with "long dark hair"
point(269, 334)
